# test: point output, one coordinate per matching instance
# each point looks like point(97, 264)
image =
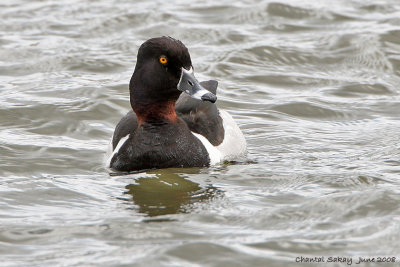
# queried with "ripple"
point(355, 90)
point(309, 110)
point(287, 11)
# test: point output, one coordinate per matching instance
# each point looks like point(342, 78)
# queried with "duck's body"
point(168, 128)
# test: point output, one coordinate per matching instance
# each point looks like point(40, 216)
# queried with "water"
point(314, 85)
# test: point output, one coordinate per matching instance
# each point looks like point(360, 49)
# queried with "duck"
point(174, 121)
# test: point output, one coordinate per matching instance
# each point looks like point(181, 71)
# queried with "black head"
point(163, 70)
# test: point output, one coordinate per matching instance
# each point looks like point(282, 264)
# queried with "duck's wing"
point(125, 126)
point(202, 117)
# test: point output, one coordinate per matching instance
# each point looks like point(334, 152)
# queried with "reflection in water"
point(168, 193)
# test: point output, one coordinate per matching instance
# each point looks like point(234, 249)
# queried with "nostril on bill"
point(190, 83)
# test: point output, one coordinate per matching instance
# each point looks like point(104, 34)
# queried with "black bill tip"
point(209, 97)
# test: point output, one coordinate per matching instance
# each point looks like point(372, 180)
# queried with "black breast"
point(159, 146)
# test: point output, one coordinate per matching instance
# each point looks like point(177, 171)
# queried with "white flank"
point(213, 152)
point(121, 142)
point(107, 156)
point(234, 144)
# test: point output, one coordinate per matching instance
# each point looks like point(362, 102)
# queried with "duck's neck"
point(163, 112)
point(152, 99)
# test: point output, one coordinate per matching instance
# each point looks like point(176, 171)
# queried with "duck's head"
point(164, 70)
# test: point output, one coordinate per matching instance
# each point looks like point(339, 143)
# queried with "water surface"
point(314, 85)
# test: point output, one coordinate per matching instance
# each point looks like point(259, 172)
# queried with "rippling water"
point(314, 85)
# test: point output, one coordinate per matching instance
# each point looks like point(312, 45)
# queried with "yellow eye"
point(163, 60)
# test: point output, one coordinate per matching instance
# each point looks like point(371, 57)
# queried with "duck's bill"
point(189, 84)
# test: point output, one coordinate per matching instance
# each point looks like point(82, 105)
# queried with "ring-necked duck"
point(174, 121)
